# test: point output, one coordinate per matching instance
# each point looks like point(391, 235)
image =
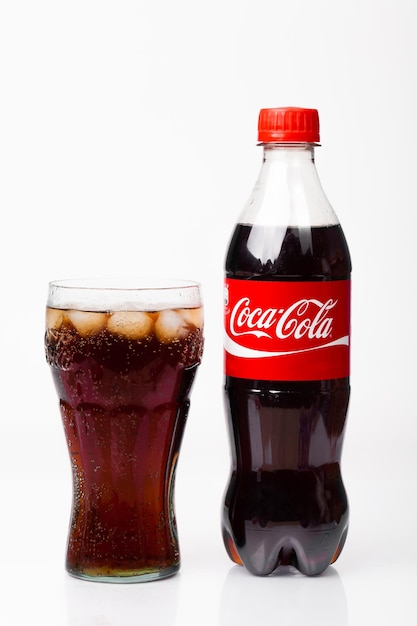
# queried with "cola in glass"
point(123, 357)
point(287, 343)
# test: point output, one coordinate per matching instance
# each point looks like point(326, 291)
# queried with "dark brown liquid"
point(124, 404)
point(286, 503)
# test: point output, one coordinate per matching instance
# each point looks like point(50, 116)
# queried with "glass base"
point(128, 577)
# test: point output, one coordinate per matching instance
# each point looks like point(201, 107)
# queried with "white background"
point(128, 146)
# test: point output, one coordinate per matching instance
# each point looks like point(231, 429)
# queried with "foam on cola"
point(123, 378)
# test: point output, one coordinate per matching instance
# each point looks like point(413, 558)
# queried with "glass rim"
point(123, 294)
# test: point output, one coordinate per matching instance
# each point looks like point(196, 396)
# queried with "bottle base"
point(267, 554)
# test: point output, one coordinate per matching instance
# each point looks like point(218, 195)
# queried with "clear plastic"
point(285, 503)
point(288, 191)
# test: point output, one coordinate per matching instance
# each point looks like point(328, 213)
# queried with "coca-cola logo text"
point(307, 317)
point(287, 330)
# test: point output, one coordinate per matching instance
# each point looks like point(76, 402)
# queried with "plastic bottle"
point(287, 336)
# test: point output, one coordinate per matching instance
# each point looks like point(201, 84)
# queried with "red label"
point(287, 330)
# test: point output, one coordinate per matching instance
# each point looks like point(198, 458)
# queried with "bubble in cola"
point(287, 335)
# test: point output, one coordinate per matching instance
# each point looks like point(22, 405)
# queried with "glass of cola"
point(123, 357)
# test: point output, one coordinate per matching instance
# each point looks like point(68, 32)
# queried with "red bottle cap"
point(288, 125)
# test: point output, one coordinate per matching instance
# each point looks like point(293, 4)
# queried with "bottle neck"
point(291, 167)
point(288, 190)
point(291, 152)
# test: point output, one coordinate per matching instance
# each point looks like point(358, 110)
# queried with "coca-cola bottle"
point(287, 327)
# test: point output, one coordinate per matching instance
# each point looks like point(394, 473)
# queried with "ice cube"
point(54, 318)
point(194, 317)
point(86, 322)
point(130, 324)
point(171, 325)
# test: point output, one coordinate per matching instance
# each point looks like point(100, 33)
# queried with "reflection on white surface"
point(284, 598)
point(103, 604)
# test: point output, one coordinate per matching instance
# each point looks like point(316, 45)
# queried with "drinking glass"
point(123, 356)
